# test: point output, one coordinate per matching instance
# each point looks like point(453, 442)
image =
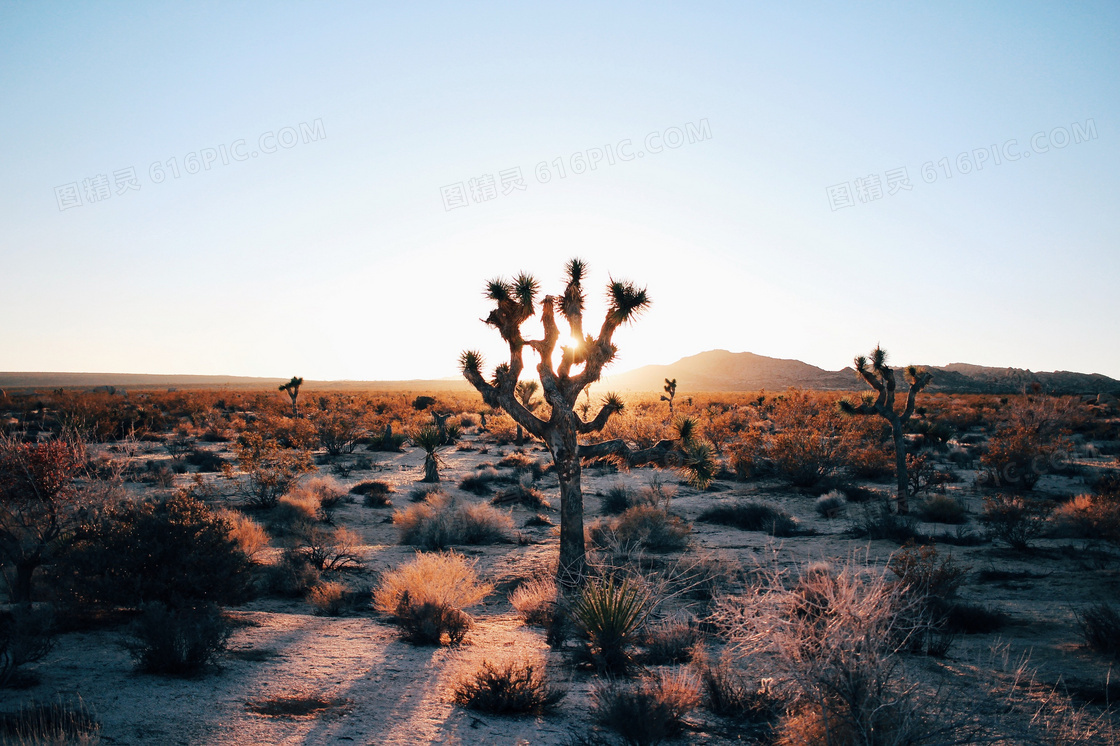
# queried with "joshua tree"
point(429, 439)
point(881, 378)
point(561, 386)
point(670, 392)
point(292, 387)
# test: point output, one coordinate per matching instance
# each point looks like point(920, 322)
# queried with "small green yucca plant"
point(611, 613)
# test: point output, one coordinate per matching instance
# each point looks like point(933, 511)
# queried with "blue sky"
point(337, 258)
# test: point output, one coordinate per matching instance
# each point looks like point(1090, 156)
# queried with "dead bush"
point(647, 711)
point(510, 688)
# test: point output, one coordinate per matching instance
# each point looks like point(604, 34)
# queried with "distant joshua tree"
point(524, 391)
point(561, 386)
point(429, 440)
point(670, 392)
point(881, 378)
point(292, 388)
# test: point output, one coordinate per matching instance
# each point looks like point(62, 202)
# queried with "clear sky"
point(319, 146)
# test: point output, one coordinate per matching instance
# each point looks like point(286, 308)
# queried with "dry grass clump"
point(427, 596)
point(750, 515)
point(833, 636)
point(1094, 517)
point(729, 692)
point(58, 723)
point(375, 493)
point(328, 598)
point(1015, 521)
point(832, 504)
point(442, 521)
point(1100, 628)
point(523, 492)
point(510, 688)
point(942, 509)
point(647, 711)
point(479, 481)
point(536, 601)
point(673, 640)
point(643, 526)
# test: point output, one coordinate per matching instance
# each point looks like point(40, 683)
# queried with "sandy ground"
point(389, 692)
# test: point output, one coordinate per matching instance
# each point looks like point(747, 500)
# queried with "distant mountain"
point(720, 370)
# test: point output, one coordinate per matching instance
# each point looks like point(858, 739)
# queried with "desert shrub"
point(610, 614)
point(25, 636)
point(974, 619)
point(729, 692)
point(387, 441)
point(292, 576)
point(523, 463)
point(648, 711)
point(249, 536)
point(942, 509)
point(178, 642)
point(324, 493)
point(831, 636)
point(1015, 521)
point(672, 641)
point(426, 597)
point(522, 493)
point(38, 505)
point(442, 521)
point(808, 442)
point(328, 549)
point(206, 461)
point(510, 688)
point(617, 499)
point(59, 723)
point(329, 598)
point(479, 481)
point(1093, 517)
point(643, 526)
point(293, 510)
point(422, 492)
point(877, 521)
point(270, 470)
point(176, 551)
point(1100, 628)
point(832, 504)
point(928, 584)
point(1029, 442)
point(375, 493)
point(422, 402)
point(536, 601)
point(749, 515)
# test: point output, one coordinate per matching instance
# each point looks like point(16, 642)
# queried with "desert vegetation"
point(384, 565)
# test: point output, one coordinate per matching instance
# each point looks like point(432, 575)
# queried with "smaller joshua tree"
point(525, 390)
point(292, 389)
point(881, 378)
point(670, 393)
point(429, 440)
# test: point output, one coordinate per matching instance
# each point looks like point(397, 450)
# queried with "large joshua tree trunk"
point(881, 378)
point(561, 386)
